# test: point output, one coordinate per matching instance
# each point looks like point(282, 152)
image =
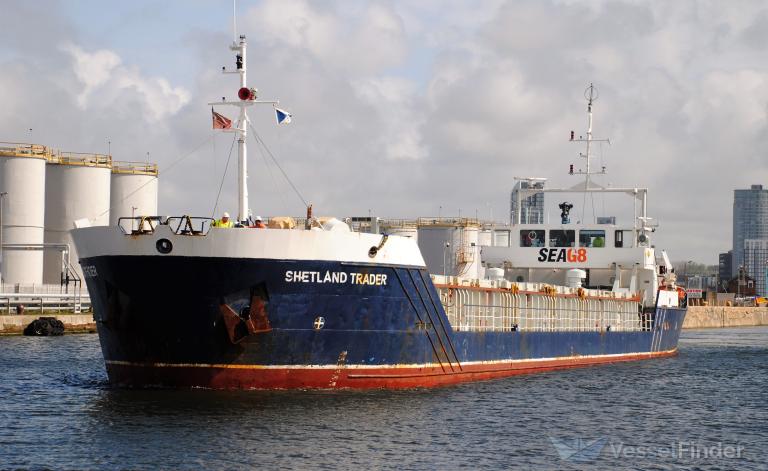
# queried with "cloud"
point(105, 82)
point(405, 108)
point(681, 99)
point(395, 103)
point(351, 38)
point(92, 69)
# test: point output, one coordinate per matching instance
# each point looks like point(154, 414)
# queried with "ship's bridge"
point(570, 246)
point(575, 235)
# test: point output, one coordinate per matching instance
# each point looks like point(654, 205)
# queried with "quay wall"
point(708, 317)
point(15, 324)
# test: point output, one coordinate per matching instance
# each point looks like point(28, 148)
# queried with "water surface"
point(57, 411)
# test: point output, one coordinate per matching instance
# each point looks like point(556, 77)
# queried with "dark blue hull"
point(213, 322)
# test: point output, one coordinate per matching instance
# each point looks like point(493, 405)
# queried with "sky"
point(404, 109)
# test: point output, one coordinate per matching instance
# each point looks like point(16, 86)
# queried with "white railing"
point(472, 309)
point(18, 303)
point(15, 288)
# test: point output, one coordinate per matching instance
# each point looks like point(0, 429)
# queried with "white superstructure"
point(77, 187)
point(619, 258)
point(22, 196)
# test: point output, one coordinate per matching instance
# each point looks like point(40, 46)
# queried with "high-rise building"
point(756, 263)
point(750, 220)
point(531, 205)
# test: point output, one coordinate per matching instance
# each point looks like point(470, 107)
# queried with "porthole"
point(164, 246)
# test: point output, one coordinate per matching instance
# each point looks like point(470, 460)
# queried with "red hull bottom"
point(341, 377)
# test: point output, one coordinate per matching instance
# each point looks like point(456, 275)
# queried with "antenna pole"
point(589, 128)
point(242, 146)
point(591, 95)
point(234, 21)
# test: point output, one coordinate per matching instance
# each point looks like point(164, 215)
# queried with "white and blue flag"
point(283, 117)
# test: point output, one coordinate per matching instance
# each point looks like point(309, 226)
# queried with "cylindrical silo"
point(468, 250)
point(22, 185)
point(133, 192)
point(450, 246)
point(76, 187)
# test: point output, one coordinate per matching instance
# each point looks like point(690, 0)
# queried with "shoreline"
point(698, 317)
point(14, 324)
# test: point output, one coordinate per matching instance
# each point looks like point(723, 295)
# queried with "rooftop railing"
point(80, 159)
point(20, 149)
point(134, 168)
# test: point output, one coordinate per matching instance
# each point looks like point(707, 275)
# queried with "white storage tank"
point(450, 246)
point(76, 187)
point(22, 183)
point(133, 192)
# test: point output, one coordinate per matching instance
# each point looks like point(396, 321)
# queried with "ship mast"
point(247, 98)
point(591, 98)
point(242, 133)
point(591, 95)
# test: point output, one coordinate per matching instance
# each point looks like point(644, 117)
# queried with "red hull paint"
point(256, 377)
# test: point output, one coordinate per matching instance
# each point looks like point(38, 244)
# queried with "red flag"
point(220, 122)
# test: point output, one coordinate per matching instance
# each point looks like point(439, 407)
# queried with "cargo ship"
point(318, 303)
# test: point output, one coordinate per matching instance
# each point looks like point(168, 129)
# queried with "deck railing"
point(504, 310)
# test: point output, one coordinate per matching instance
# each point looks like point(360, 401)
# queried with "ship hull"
point(143, 375)
point(287, 324)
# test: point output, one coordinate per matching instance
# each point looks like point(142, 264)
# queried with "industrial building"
point(43, 191)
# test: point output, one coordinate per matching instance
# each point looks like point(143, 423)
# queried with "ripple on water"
point(58, 411)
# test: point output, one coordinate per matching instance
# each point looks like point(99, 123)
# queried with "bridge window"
point(531, 238)
point(560, 238)
point(622, 238)
point(591, 238)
